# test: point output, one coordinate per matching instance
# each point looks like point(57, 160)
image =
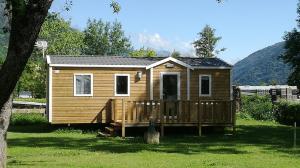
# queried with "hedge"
point(287, 112)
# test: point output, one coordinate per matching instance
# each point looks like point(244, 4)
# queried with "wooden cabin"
point(129, 91)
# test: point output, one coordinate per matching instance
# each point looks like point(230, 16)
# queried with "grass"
point(257, 144)
point(43, 100)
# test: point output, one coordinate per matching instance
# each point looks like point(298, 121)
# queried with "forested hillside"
point(262, 67)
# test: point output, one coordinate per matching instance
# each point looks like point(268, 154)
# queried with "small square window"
point(83, 85)
point(122, 85)
point(205, 85)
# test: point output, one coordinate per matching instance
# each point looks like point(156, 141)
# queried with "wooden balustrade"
point(173, 112)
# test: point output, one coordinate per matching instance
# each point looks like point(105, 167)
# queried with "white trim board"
point(210, 82)
point(74, 84)
point(128, 85)
point(188, 74)
point(50, 94)
point(169, 59)
point(161, 83)
point(151, 83)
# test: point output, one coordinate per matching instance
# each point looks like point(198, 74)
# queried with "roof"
point(122, 61)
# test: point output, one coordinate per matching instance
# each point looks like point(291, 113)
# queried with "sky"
point(244, 25)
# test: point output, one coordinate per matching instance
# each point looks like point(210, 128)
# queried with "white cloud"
point(157, 42)
point(153, 41)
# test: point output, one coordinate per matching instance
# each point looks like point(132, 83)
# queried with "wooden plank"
point(123, 118)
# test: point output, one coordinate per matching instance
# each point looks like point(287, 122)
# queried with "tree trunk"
point(27, 19)
point(4, 122)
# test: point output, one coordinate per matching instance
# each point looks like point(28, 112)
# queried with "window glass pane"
point(122, 84)
point(205, 85)
point(83, 84)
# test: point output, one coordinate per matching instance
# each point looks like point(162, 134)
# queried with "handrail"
point(172, 112)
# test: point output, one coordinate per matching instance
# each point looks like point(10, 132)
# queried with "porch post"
point(188, 74)
point(151, 83)
point(123, 118)
point(162, 118)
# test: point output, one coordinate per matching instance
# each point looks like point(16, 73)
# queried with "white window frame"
point(161, 83)
point(92, 84)
point(128, 84)
point(210, 82)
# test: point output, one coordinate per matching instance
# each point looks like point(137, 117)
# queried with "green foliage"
point(104, 38)
point(262, 67)
point(28, 119)
point(175, 54)
point(257, 107)
point(206, 44)
point(142, 52)
point(287, 112)
point(292, 52)
point(62, 40)
point(61, 37)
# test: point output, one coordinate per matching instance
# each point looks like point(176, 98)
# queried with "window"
point(205, 85)
point(122, 85)
point(83, 84)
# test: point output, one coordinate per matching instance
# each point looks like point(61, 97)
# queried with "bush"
point(287, 112)
point(28, 119)
point(257, 107)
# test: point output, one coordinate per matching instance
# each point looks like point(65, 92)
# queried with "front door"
point(170, 86)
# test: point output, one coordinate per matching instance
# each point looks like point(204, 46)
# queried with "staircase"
point(111, 130)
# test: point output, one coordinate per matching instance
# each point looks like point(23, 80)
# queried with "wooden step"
point(103, 134)
point(114, 124)
point(109, 129)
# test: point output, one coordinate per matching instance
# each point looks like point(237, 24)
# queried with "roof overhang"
point(97, 66)
point(136, 66)
point(169, 59)
point(208, 67)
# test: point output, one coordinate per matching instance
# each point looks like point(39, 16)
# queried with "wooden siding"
point(220, 84)
point(68, 108)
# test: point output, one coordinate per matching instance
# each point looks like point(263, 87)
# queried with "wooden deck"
point(135, 113)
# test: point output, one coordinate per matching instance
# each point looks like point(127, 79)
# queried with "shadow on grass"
point(269, 138)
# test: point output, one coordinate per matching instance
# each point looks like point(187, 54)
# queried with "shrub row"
point(287, 112)
point(27, 119)
point(257, 107)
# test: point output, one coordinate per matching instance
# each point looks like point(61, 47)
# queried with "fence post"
point(123, 118)
point(295, 134)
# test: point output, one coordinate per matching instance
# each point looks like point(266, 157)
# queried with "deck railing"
point(166, 113)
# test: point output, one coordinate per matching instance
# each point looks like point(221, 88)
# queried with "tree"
point(104, 38)
point(291, 55)
point(25, 20)
point(206, 44)
point(142, 52)
point(175, 54)
point(62, 40)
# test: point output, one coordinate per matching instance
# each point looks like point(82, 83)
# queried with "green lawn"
point(42, 100)
point(256, 144)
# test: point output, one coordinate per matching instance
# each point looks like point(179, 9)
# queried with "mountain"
point(3, 44)
point(262, 67)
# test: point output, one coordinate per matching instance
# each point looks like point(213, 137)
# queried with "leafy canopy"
point(104, 38)
point(206, 44)
point(62, 39)
point(292, 52)
point(142, 52)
